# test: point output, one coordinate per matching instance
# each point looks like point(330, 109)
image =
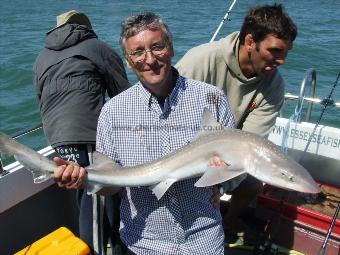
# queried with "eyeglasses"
point(139, 56)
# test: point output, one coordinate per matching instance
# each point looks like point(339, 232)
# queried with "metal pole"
point(224, 19)
point(308, 76)
point(311, 94)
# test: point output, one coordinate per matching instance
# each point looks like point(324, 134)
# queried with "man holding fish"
point(155, 139)
point(160, 114)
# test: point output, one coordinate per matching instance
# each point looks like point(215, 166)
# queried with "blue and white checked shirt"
point(134, 129)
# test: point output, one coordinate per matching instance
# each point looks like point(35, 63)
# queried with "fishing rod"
point(27, 131)
point(326, 101)
point(324, 244)
point(223, 20)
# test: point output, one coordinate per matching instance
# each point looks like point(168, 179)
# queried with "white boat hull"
point(322, 158)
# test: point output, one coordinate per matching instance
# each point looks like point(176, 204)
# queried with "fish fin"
point(39, 176)
point(215, 175)
point(208, 124)
point(102, 162)
point(159, 189)
point(93, 188)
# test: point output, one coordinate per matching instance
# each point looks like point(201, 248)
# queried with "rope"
point(294, 118)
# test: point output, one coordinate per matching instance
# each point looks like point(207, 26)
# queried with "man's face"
point(268, 54)
point(150, 58)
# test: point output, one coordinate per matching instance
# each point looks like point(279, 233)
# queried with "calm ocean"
point(24, 24)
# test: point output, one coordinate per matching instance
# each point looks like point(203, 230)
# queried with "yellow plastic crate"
point(61, 241)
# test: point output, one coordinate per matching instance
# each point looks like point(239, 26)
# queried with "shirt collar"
point(171, 100)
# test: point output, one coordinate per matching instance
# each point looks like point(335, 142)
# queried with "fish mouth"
point(315, 189)
point(310, 188)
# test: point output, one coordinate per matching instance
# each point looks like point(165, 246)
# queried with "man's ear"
point(249, 43)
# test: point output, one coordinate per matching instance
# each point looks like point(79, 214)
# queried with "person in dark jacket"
point(72, 75)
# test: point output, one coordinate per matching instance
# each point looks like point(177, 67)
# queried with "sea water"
point(24, 24)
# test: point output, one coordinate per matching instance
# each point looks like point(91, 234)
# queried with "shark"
point(241, 151)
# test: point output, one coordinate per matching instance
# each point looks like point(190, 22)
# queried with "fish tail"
point(37, 164)
point(5, 151)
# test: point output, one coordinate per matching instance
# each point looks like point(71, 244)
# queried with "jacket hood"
point(67, 36)
point(230, 56)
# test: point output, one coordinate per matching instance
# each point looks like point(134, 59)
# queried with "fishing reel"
point(267, 248)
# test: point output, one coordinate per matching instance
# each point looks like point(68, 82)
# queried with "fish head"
point(275, 168)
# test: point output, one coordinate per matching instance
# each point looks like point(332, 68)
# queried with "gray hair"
point(147, 20)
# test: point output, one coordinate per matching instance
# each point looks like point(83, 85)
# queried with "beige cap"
point(72, 17)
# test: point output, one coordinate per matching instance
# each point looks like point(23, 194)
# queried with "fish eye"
point(289, 177)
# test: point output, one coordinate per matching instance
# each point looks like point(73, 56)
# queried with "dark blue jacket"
point(71, 76)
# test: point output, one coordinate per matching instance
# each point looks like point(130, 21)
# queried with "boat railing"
point(310, 76)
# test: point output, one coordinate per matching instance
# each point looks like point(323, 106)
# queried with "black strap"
point(248, 109)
